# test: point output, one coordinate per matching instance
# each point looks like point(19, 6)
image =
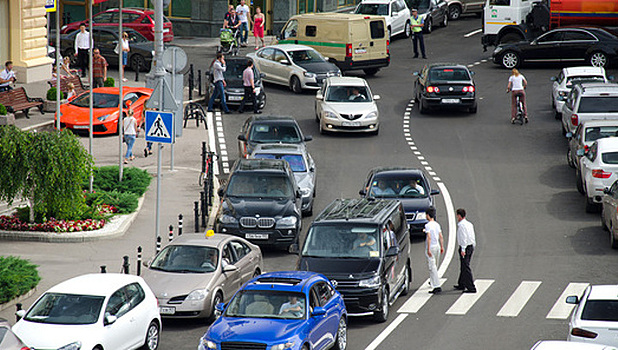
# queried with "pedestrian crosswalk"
point(512, 307)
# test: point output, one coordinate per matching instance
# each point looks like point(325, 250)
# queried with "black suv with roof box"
point(362, 246)
point(261, 202)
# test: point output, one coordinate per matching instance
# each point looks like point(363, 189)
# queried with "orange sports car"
point(75, 114)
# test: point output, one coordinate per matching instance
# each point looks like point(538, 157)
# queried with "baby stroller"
point(228, 41)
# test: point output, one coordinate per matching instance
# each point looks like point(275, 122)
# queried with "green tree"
point(47, 169)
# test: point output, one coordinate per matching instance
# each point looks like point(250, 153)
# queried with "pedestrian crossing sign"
point(160, 127)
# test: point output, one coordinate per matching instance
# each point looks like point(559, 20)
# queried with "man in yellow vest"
point(416, 25)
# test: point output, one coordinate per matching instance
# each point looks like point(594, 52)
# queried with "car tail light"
point(574, 119)
point(578, 332)
point(348, 50)
point(586, 148)
point(388, 47)
point(600, 174)
point(25, 348)
point(468, 89)
point(431, 89)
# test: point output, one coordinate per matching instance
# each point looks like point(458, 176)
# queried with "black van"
point(362, 246)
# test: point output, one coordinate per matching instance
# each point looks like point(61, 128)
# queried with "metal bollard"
point(139, 260)
point(158, 244)
point(139, 67)
point(179, 224)
point(191, 77)
point(103, 269)
point(171, 236)
point(204, 208)
point(196, 215)
point(125, 264)
point(199, 82)
point(204, 158)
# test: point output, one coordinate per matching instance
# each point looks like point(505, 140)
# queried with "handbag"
point(117, 48)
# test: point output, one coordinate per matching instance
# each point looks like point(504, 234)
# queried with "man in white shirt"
point(466, 241)
point(435, 246)
point(7, 76)
point(244, 15)
point(82, 46)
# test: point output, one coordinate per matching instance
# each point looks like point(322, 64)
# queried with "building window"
point(177, 8)
point(342, 3)
point(306, 6)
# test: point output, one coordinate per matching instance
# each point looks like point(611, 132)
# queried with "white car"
point(297, 66)
point(346, 104)
point(598, 169)
point(395, 12)
point(595, 319)
point(585, 134)
point(93, 312)
point(573, 75)
point(566, 345)
point(589, 101)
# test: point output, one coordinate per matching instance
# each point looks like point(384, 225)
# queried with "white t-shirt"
point(129, 125)
point(6, 75)
point(242, 12)
point(433, 229)
point(517, 82)
point(125, 44)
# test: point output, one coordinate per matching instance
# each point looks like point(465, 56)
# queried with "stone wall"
point(29, 40)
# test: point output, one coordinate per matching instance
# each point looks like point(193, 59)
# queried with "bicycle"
point(206, 168)
point(519, 115)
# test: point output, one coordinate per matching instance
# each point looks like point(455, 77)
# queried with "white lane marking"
point(428, 168)
point(220, 134)
point(473, 33)
point(419, 298)
point(409, 139)
point(417, 153)
point(413, 148)
point(477, 63)
point(424, 163)
point(484, 61)
point(224, 159)
point(561, 310)
point(223, 149)
point(519, 299)
point(421, 158)
point(467, 300)
point(406, 134)
point(385, 333)
point(436, 178)
point(211, 141)
point(470, 66)
point(431, 173)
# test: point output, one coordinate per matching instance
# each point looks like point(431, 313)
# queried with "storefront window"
point(342, 3)
point(306, 6)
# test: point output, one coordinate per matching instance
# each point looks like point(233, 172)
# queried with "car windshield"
point(449, 74)
point(347, 94)
point(305, 56)
point(584, 79)
point(186, 259)
point(598, 104)
point(598, 132)
point(267, 304)
point(398, 186)
point(372, 9)
point(235, 68)
point(296, 161)
point(259, 186)
point(421, 5)
point(610, 157)
point(601, 310)
point(100, 100)
point(265, 133)
point(60, 308)
point(342, 241)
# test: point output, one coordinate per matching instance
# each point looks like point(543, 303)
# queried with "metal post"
point(203, 207)
point(204, 150)
point(191, 81)
point(158, 244)
point(139, 67)
point(121, 96)
point(196, 216)
point(90, 121)
point(125, 264)
point(139, 260)
point(179, 224)
point(103, 269)
point(171, 235)
point(58, 93)
point(211, 183)
point(199, 82)
point(174, 121)
point(158, 206)
point(157, 65)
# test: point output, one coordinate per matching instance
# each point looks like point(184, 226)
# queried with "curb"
point(215, 205)
point(40, 127)
point(120, 224)
point(18, 299)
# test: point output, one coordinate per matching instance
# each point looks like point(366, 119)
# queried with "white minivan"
point(395, 12)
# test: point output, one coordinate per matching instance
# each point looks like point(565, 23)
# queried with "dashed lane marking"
point(519, 299)
point(474, 32)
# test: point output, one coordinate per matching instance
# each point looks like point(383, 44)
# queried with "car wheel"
point(218, 299)
point(382, 314)
point(138, 60)
point(454, 12)
point(262, 102)
point(407, 282)
point(598, 59)
point(591, 206)
point(421, 106)
point(510, 60)
point(429, 26)
point(557, 115)
point(570, 158)
point(342, 335)
point(407, 30)
point(322, 130)
point(152, 337)
point(510, 38)
point(445, 20)
point(579, 183)
point(371, 71)
point(295, 85)
point(612, 239)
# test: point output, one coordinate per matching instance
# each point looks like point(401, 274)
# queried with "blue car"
point(293, 310)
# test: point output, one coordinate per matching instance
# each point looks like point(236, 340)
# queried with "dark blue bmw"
point(293, 310)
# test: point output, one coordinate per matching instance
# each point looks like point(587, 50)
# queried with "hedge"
point(17, 277)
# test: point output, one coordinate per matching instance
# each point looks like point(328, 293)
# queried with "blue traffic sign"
point(160, 127)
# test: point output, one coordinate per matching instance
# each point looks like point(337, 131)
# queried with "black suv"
point(269, 129)
point(362, 246)
point(234, 89)
point(261, 203)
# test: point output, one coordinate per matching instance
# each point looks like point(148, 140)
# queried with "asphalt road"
point(513, 181)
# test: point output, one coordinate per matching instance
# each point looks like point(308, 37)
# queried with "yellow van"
point(351, 41)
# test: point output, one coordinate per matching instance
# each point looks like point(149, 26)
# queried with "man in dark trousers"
point(416, 25)
point(82, 48)
point(248, 82)
point(467, 241)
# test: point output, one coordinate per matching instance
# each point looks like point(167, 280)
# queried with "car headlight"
point(330, 115)
point(309, 75)
point(287, 222)
point(283, 346)
point(209, 344)
point(421, 215)
point(227, 219)
point(372, 115)
point(73, 346)
point(373, 282)
point(103, 117)
point(197, 294)
point(305, 192)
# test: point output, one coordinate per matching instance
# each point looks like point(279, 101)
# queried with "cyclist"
point(517, 85)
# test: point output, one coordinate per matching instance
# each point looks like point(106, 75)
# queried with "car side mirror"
point(110, 319)
point(242, 137)
point(607, 191)
point(285, 62)
point(147, 263)
point(220, 192)
point(293, 249)
point(362, 192)
point(312, 169)
point(230, 268)
point(262, 75)
point(376, 97)
point(569, 135)
point(20, 314)
point(298, 194)
point(552, 78)
point(472, 73)
point(318, 96)
point(573, 299)
point(308, 138)
point(318, 311)
point(434, 192)
point(581, 152)
point(392, 251)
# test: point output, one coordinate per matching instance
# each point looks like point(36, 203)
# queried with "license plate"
point(167, 310)
point(256, 236)
point(235, 98)
point(350, 123)
point(166, 30)
point(360, 50)
point(80, 126)
point(451, 100)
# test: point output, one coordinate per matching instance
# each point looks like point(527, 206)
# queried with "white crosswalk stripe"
point(467, 300)
point(419, 298)
point(519, 299)
point(561, 309)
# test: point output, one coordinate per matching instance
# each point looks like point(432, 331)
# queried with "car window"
point(228, 256)
point(136, 37)
point(267, 304)
point(614, 188)
point(296, 161)
point(135, 294)
point(560, 77)
point(592, 152)
point(104, 37)
point(323, 292)
point(338, 93)
point(100, 100)
point(610, 157)
point(105, 17)
point(186, 259)
point(118, 304)
point(396, 223)
point(266, 54)
point(311, 30)
point(599, 132)
point(305, 56)
point(377, 29)
point(131, 96)
point(314, 300)
point(342, 241)
point(60, 308)
point(259, 186)
point(449, 74)
point(290, 30)
point(240, 248)
point(584, 79)
point(598, 104)
point(550, 37)
point(130, 17)
point(146, 20)
point(576, 35)
point(499, 2)
point(373, 9)
point(279, 56)
point(600, 310)
point(264, 133)
point(421, 5)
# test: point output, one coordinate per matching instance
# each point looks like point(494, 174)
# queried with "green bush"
point(109, 82)
point(17, 277)
point(3, 110)
point(51, 94)
point(134, 180)
point(125, 202)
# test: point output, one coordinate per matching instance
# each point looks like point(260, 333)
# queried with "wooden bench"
point(17, 100)
point(64, 84)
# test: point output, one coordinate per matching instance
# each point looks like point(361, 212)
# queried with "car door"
point(263, 60)
point(544, 48)
point(390, 262)
point(420, 82)
point(395, 16)
point(139, 315)
point(119, 334)
point(326, 297)
point(556, 86)
point(320, 102)
point(245, 262)
point(319, 324)
point(575, 44)
point(610, 207)
point(575, 143)
point(567, 110)
point(233, 281)
point(106, 42)
point(281, 70)
point(587, 162)
point(398, 225)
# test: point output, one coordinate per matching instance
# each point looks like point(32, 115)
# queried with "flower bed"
point(13, 223)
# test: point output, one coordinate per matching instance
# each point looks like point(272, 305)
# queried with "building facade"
point(23, 39)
